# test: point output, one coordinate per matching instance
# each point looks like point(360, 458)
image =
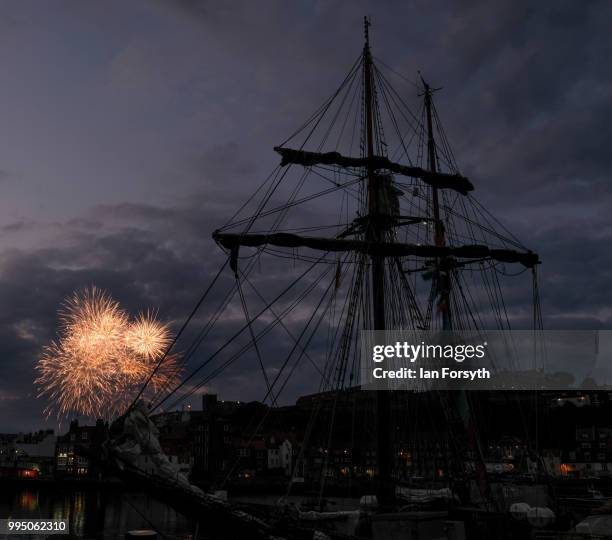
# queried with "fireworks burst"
point(102, 358)
point(147, 336)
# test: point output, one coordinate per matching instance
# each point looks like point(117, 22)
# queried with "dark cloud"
point(148, 258)
point(154, 136)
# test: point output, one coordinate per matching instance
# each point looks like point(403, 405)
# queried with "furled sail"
point(435, 179)
point(383, 249)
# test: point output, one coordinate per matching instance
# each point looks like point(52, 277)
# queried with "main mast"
point(375, 235)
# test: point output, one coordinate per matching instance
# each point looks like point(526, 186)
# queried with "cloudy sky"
point(131, 130)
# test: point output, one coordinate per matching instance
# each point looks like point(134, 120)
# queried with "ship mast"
point(442, 275)
point(375, 235)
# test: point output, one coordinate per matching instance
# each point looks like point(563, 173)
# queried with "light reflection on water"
point(98, 515)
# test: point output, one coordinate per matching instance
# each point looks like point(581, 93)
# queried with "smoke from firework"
point(101, 358)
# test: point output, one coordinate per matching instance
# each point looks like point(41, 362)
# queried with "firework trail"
point(101, 358)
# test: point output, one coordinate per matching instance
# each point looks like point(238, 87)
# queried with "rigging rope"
point(254, 341)
point(179, 333)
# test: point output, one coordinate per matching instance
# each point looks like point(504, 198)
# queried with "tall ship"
point(366, 223)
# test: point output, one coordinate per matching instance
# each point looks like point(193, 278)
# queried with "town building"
point(212, 448)
point(29, 455)
point(78, 453)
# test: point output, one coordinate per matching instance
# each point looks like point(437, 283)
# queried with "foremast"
point(375, 234)
point(443, 281)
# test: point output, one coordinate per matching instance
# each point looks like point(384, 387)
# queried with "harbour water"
point(95, 514)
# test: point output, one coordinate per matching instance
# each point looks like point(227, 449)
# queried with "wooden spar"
point(380, 249)
point(435, 179)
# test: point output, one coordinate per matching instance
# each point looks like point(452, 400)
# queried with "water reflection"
point(94, 514)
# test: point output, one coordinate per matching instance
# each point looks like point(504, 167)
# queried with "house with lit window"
point(77, 453)
point(591, 455)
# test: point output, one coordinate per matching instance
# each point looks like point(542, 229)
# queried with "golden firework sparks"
point(101, 358)
point(148, 337)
